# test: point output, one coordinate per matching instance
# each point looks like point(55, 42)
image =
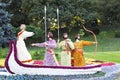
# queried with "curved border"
point(7, 58)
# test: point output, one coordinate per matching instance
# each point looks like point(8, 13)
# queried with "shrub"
point(38, 34)
point(117, 34)
point(37, 30)
point(107, 34)
point(38, 55)
point(103, 34)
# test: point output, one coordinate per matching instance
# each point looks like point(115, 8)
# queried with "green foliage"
point(37, 53)
point(37, 30)
point(18, 16)
point(89, 11)
point(3, 52)
point(81, 32)
point(6, 32)
point(107, 34)
point(109, 11)
point(117, 34)
point(103, 34)
point(32, 11)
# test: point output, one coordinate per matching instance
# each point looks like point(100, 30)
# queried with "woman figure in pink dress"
point(49, 58)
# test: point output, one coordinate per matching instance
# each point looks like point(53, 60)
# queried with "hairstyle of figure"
point(65, 35)
point(22, 27)
point(50, 35)
point(77, 36)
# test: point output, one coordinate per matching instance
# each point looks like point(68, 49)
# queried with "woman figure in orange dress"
point(77, 53)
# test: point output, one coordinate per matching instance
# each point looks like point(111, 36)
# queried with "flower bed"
point(108, 73)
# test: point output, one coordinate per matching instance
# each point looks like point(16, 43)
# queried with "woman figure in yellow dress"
point(77, 53)
point(65, 55)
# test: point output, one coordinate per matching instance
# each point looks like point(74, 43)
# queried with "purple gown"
point(49, 58)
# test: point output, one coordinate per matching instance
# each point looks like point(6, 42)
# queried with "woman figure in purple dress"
point(49, 58)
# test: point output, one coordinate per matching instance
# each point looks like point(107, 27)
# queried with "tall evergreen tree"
point(6, 32)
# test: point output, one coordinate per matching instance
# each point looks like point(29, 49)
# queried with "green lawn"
point(112, 56)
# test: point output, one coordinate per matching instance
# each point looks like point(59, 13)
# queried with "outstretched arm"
point(39, 44)
point(26, 34)
point(88, 43)
point(45, 44)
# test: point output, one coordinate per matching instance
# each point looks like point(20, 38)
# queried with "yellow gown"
point(77, 53)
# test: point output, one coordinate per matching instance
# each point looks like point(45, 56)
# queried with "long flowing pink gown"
point(49, 58)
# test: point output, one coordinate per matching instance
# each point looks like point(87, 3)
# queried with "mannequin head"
point(65, 35)
point(22, 27)
point(50, 35)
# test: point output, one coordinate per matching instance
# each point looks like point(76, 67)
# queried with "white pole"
point(58, 22)
point(45, 28)
point(45, 23)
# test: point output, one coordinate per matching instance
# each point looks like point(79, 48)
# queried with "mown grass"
point(111, 56)
point(3, 52)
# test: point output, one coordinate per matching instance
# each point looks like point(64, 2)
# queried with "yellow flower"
point(98, 20)
point(2, 62)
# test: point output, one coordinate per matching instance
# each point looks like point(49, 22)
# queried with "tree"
point(34, 9)
point(32, 12)
point(109, 11)
point(6, 32)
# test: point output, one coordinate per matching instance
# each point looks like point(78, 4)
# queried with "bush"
point(103, 34)
point(37, 30)
point(38, 55)
point(3, 52)
point(117, 34)
point(107, 34)
point(38, 34)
